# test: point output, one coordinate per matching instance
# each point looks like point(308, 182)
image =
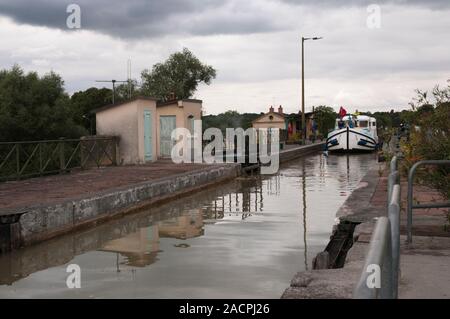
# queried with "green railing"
point(20, 160)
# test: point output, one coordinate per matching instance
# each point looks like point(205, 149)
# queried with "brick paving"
point(57, 188)
point(427, 221)
point(424, 264)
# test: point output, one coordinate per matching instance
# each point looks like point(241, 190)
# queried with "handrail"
point(384, 251)
point(376, 279)
point(86, 138)
point(26, 159)
point(411, 206)
point(394, 220)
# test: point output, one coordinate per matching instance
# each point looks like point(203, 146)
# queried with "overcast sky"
point(253, 44)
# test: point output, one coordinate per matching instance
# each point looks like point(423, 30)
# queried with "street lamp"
point(303, 87)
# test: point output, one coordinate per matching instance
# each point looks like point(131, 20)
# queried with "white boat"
point(353, 133)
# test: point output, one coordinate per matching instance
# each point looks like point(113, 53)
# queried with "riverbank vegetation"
point(428, 135)
point(34, 107)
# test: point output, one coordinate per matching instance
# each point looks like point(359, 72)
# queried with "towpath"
point(57, 188)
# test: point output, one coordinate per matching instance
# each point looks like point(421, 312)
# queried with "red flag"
point(342, 112)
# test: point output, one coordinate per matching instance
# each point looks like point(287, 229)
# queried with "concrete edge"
point(290, 154)
point(42, 223)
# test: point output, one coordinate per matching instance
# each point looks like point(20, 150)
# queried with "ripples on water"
point(242, 239)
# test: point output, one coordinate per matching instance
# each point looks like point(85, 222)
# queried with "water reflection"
point(305, 245)
point(141, 248)
point(245, 238)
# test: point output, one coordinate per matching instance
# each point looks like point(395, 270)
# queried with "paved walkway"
point(56, 188)
point(425, 268)
point(424, 265)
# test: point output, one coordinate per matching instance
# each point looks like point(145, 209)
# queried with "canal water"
point(242, 239)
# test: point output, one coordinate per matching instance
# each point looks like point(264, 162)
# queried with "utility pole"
point(303, 87)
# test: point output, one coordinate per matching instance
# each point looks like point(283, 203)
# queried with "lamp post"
point(303, 87)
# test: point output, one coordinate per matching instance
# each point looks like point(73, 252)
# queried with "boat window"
point(350, 123)
point(363, 123)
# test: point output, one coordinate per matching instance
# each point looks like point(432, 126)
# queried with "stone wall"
point(42, 223)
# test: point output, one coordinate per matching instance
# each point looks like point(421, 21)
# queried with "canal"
point(242, 239)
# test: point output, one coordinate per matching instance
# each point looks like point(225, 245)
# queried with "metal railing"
point(383, 258)
point(411, 205)
point(376, 280)
point(20, 160)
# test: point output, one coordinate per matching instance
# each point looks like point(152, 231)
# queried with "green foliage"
point(180, 73)
point(229, 119)
point(82, 102)
point(431, 139)
point(34, 107)
point(325, 118)
point(123, 91)
point(384, 120)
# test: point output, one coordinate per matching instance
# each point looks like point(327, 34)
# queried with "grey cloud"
point(432, 4)
point(154, 18)
point(144, 18)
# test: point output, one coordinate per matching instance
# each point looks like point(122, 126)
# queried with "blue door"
point(167, 125)
point(148, 135)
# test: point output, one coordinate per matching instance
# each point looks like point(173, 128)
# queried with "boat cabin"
point(361, 121)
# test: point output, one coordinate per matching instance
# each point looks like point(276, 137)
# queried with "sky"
point(373, 54)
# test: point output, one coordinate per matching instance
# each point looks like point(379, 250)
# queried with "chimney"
point(172, 96)
point(280, 109)
point(271, 108)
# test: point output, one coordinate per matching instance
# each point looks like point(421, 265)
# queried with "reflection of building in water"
point(186, 226)
point(273, 185)
point(141, 247)
point(248, 199)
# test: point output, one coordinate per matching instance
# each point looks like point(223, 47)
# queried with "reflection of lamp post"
point(303, 86)
point(117, 263)
point(304, 215)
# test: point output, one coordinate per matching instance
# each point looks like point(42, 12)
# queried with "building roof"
point(163, 103)
point(268, 113)
point(158, 103)
point(284, 115)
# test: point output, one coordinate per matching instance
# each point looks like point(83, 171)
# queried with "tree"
point(34, 107)
point(384, 120)
point(232, 119)
point(430, 136)
point(127, 91)
point(325, 118)
point(179, 74)
point(83, 102)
